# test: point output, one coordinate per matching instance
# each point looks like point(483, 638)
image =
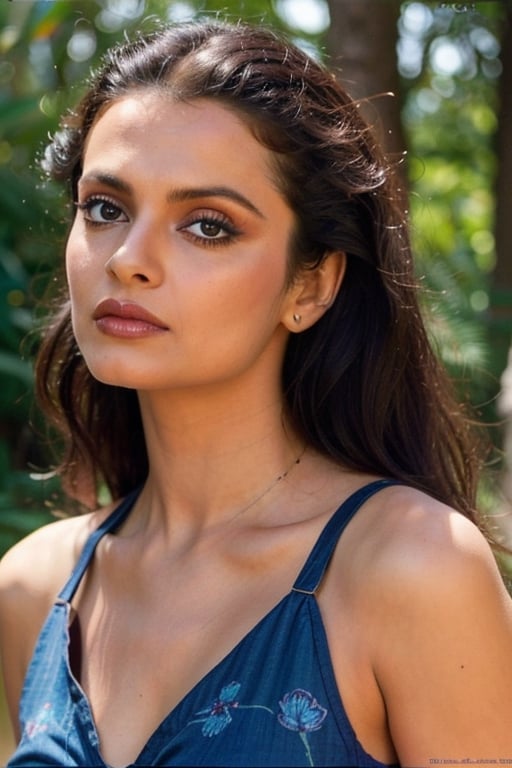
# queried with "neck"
point(211, 460)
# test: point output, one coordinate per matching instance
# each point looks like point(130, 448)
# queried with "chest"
point(202, 666)
point(143, 652)
point(266, 703)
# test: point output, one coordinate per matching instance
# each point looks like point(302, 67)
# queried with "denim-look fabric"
point(272, 701)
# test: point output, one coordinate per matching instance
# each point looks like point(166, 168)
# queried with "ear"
point(313, 292)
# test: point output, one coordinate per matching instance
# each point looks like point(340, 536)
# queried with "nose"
point(138, 259)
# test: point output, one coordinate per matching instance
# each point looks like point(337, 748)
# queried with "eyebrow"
point(178, 195)
point(192, 193)
point(108, 179)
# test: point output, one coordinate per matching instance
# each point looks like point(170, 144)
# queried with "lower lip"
point(127, 328)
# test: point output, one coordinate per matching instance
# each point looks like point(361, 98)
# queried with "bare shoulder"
point(38, 565)
point(407, 535)
point(418, 561)
point(31, 575)
point(438, 623)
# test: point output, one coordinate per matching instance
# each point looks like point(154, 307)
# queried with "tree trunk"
point(501, 297)
point(362, 46)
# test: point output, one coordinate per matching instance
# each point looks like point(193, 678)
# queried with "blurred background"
point(434, 78)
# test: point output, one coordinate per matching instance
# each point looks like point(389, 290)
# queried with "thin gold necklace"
point(269, 488)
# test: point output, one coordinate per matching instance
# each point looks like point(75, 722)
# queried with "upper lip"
point(127, 310)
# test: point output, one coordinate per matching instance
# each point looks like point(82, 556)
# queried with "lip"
point(126, 319)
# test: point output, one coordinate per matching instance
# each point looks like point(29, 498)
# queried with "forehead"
point(153, 129)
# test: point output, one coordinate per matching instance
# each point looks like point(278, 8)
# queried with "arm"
point(444, 658)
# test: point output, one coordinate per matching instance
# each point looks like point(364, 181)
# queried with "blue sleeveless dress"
point(272, 701)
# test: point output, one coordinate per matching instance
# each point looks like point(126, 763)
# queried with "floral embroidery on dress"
point(218, 714)
point(301, 712)
point(40, 724)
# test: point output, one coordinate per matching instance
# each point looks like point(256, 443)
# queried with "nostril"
point(122, 268)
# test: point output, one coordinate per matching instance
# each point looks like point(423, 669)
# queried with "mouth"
point(126, 319)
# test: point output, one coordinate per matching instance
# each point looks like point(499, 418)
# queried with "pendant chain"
point(272, 485)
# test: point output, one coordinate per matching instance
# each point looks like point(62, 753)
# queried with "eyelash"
point(91, 203)
point(202, 218)
point(231, 232)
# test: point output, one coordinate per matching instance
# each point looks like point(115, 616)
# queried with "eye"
point(98, 210)
point(209, 229)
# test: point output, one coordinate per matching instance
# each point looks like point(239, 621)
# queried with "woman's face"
point(177, 258)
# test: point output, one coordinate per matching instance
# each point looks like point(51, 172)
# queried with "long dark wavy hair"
point(363, 385)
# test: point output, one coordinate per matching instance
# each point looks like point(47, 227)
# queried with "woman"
point(242, 360)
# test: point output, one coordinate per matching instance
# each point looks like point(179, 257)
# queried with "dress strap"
point(110, 523)
point(311, 575)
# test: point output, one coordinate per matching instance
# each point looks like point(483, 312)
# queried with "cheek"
point(250, 306)
point(80, 264)
point(82, 278)
point(266, 274)
point(252, 300)
point(267, 284)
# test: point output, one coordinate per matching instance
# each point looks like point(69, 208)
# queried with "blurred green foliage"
point(450, 66)
point(450, 116)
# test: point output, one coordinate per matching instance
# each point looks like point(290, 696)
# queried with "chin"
point(115, 376)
